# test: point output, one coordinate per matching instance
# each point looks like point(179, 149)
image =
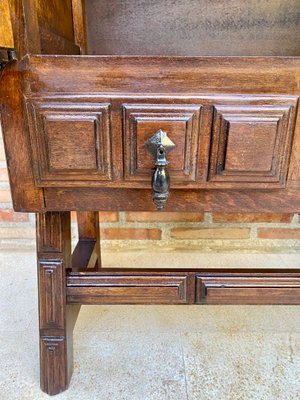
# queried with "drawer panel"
point(70, 141)
point(225, 141)
point(182, 123)
point(251, 143)
point(247, 290)
point(221, 141)
point(127, 289)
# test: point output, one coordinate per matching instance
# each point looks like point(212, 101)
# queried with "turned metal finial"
point(160, 145)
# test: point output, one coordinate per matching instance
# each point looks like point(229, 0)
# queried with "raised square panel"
point(65, 153)
point(70, 141)
point(247, 289)
point(51, 274)
point(242, 156)
point(251, 145)
point(182, 124)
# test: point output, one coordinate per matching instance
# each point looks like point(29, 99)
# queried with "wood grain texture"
point(83, 152)
point(50, 240)
point(56, 319)
point(165, 75)
point(193, 122)
point(247, 289)
point(18, 27)
point(180, 200)
point(53, 364)
point(52, 43)
point(88, 225)
point(42, 27)
point(55, 23)
point(6, 32)
point(84, 255)
point(127, 289)
point(194, 27)
point(182, 123)
point(89, 231)
point(56, 15)
point(79, 24)
point(31, 27)
point(24, 192)
point(166, 286)
point(252, 144)
point(51, 297)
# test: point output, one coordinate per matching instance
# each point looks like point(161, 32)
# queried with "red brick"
point(278, 233)
point(73, 216)
point(130, 234)
point(11, 216)
point(5, 196)
point(210, 233)
point(17, 233)
point(3, 174)
point(2, 153)
point(104, 216)
point(108, 216)
point(164, 217)
point(251, 217)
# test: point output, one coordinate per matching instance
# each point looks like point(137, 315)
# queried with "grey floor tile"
point(19, 367)
point(242, 366)
point(198, 259)
point(18, 316)
point(139, 367)
point(170, 319)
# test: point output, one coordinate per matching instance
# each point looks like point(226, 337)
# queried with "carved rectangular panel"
point(70, 141)
point(49, 228)
point(247, 290)
point(51, 298)
point(127, 289)
point(251, 143)
point(53, 364)
point(182, 124)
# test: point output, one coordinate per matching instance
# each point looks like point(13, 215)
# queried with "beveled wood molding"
point(251, 289)
point(56, 318)
point(190, 286)
point(83, 153)
point(51, 274)
point(127, 289)
point(252, 144)
point(182, 124)
point(49, 240)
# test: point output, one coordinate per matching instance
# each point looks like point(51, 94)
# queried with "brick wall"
point(217, 231)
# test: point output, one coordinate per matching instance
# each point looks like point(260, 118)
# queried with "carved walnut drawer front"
point(222, 129)
point(220, 141)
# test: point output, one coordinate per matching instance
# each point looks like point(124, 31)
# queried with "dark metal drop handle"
point(159, 145)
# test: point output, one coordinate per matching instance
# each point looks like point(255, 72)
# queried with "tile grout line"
point(184, 368)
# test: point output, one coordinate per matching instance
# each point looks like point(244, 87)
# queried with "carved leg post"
point(55, 317)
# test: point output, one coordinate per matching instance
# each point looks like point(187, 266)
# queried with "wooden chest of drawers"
point(176, 102)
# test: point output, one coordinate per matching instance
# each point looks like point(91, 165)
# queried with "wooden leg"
point(89, 230)
point(55, 317)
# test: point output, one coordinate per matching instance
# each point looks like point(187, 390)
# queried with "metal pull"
point(160, 145)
